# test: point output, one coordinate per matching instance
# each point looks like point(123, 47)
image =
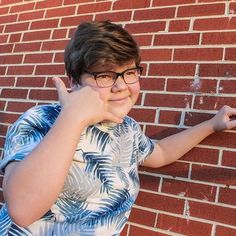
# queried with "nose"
point(120, 83)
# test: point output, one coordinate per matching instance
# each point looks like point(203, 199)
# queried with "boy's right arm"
point(31, 186)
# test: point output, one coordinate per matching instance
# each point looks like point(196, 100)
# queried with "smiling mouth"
point(119, 100)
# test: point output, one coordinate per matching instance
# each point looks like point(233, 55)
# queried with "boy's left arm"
point(175, 146)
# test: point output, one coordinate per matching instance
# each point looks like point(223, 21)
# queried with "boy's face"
point(120, 97)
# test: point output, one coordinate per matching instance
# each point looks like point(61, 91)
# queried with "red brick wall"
point(188, 51)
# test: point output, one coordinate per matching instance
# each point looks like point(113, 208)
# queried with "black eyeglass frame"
point(95, 74)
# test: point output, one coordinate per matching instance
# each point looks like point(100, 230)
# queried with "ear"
point(73, 84)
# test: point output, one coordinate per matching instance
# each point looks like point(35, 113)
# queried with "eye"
point(131, 72)
point(104, 76)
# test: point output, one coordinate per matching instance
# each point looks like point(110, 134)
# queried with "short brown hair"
point(98, 44)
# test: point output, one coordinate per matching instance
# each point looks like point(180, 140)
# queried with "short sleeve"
point(144, 144)
point(23, 136)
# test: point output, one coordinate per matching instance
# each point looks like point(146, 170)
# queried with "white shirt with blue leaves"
point(102, 183)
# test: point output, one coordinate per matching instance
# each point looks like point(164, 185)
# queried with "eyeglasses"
point(108, 78)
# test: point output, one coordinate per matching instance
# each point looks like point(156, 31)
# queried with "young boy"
point(72, 169)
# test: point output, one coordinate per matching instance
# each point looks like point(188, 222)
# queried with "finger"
point(61, 88)
point(232, 111)
point(231, 124)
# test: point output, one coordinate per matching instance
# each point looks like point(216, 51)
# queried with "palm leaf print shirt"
point(102, 183)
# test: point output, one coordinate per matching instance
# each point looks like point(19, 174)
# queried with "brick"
point(157, 3)
point(158, 132)
point(169, 117)
point(5, 48)
point(36, 35)
point(44, 24)
point(194, 85)
point(212, 102)
point(59, 12)
point(3, 129)
point(11, 59)
point(143, 40)
point(227, 196)
point(38, 58)
point(201, 10)
point(7, 81)
point(179, 25)
point(2, 70)
point(212, 212)
point(2, 105)
point(183, 226)
point(49, 70)
point(15, 38)
point(222, 139)
point(217, 70)
point(227, 86)
point(221, 230)
point(8, 118)
point(138, 102)
point(230, 54)
point(188, 189)
point(124, 231)
point(146, 27)
point(33, 15)
point(59, 57)
point(94, 7)
point(30, 82)
point(19, 106)
point(143, 115)
point(194, 118)
point(219, 38)
point(172, 69)
point(177, 39)
point(148, 218)
point(152, 84)
point(54, 45)
point(3, 38)
point(150, 14)
point(176, 169)
point(75, 20)
point(2, 141)
point(156, 54)
point(59, 33)
point(127, 4)
point(114, 16)
point(16, 27)
point(6, 2)
point(213, 174)
point(159, 202)
point(214, 24)
point(4, 10)
point(20, 70)
point(68, 2)
point(134, 230)
point(8, 19)
point(211, 1)
point(1, 28)
point(48, 4)
point(166, 100)
point(229, 158)
point(43, 94)
point(14, 93)
point(232, 6)
point(198, 54)
point(22, 7)
point(149, 182)
point(27, 47)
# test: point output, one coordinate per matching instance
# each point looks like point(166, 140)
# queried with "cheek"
point(104, 93)
point(135, 90)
